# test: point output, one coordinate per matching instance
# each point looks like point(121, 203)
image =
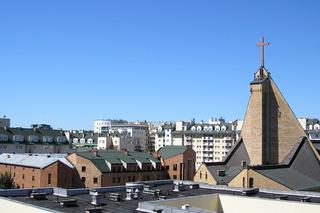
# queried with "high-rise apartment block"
point(211, 142)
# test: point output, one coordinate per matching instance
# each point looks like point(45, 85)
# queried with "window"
point(118, 179)
point(175, 177)
point(243, 182)
point(119, 169)
point(22, 176)
point(114, 179)
point(49, 178)
point(168, 168)
point(32, 178)
point(175, 167)
point(83, 169)
point(200, 175)
point(206, 176)
point(95, 180)
point(83, 179)
point(251, 182)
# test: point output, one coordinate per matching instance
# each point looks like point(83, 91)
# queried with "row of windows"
point(34, 138)
point(121, 169)
point(208, 128)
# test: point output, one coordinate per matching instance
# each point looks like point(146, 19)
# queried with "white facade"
point(312, 128)
point(211, 142)
point(100, 126)
point(138, 132)
point(117, 142)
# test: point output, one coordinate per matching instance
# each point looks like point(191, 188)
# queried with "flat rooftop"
point(190, 189)
point(123, 206)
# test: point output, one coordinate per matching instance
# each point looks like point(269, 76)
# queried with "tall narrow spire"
point(261, 45)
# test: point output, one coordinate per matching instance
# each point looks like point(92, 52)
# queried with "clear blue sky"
point(66, 63)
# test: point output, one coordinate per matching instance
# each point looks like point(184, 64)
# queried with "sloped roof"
point(34, 160)
point(290, 178)
point(26, 132)
point(116, 157)
point(300, 170)
point(231, 164)
point(170, 151)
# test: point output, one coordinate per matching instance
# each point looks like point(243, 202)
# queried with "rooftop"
point(164, 198)
point(33, 160)
point(170, 151)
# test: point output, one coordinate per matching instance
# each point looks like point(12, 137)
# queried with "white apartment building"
point(101, 126)
point(139, 132)
point(312, 128)
point(211, 142)
point(117, 141)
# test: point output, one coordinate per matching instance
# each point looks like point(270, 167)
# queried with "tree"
point(6, 181)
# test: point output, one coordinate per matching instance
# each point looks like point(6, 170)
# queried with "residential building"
point(153, 128)
point(32, 140)
point(118, 141)
point(312, 128)
point(101, 126)
point(178, 161)
point(111, 167)
point(138, 131)
point(38, 170)
point(273, 151)
point(82, 138)
point(211, 142)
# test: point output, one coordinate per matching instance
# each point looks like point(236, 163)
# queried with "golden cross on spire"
point(262, 44)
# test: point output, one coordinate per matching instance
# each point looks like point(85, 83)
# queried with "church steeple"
point(270, 128)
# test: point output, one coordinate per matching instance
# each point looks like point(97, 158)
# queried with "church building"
point(273, 150)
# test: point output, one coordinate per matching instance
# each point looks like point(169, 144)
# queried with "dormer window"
point(47, 139)
point(193, 128)
point(4, 137)
point(61, 139)
point(90, 140)
point(82, 140)
point(33, 138)
point(205, 128)
point(217, 128)
point(210, 128)
point(223, 128)
point(75, 140)
point(199, 128)
point(18, 138)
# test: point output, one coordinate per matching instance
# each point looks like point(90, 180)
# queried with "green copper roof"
point(170, 151)
point(116, 157)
